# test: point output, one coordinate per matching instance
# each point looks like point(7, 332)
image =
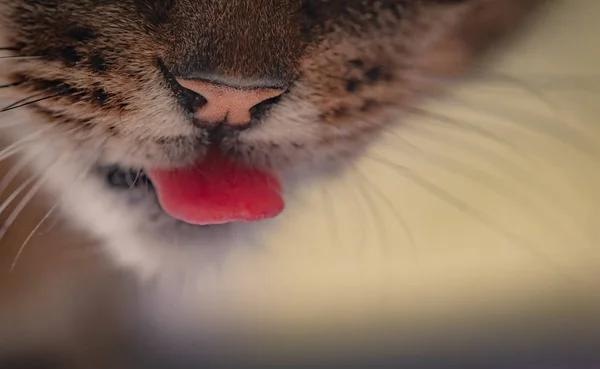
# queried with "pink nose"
point(228, 104)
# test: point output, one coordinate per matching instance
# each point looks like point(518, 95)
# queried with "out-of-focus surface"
point(470, 228)
point(60, 298)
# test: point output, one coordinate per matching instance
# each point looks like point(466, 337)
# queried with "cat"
point(95, 93)
point(100, 91)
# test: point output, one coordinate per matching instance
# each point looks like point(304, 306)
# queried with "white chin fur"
point(132, 241)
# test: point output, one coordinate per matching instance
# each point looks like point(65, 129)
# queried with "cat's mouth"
point(213, 190)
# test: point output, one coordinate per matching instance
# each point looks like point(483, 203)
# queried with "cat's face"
point(115, 66)
point(315, 77)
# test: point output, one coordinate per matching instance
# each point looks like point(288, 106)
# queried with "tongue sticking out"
point(217, 190)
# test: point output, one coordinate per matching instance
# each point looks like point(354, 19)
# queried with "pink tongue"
point(217, 190)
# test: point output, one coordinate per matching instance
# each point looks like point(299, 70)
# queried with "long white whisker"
point(10, 124)
point(372, 209)
point(518, 198)
point(137, 177)
point(509, 168)
point(10, 176)
point(558, 132)
point(464, 125)
point(7, 153)
point(399, 217)
point(37, 186)
point(23, 203)
point(474, 128)
point(450, 199)
point(57, 203)
point(362, 221)
point(330, 217)
point(399, 138)
point(577, 82)
point(15, 146)
point(16, 193)
point(540, 95)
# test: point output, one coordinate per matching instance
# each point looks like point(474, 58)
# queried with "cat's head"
point(275, 83)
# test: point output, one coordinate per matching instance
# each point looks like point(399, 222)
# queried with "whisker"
point(372, 209)
point(472, 212)
point(51, 227)
point(10, 124)
point(331, 217)
point(16, 193)
point(542, 97)
point(15, 146)
point(509, 168)
point(399, 217)
point(14, 171)
point(20, 57)
point(533, 92)
point(8, 152)
point(518, 198)
point(37, 186)
point(363, 233)
point(12, 84)
point(548, 82)
point(463, 124)
point(558, 132)
point(471, 127)
point(57, 203)
point(137, 177)
point(400, 139)
point(22, 102)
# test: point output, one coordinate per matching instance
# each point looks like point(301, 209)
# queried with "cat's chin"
point(140, 236)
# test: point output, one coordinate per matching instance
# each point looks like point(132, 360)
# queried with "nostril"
point(192, 101)
point(261, 109)
point(189, 99)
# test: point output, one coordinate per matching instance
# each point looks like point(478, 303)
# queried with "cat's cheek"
point(445, 58)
